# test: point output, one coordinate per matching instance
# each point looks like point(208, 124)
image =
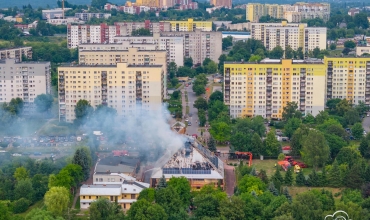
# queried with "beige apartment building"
point(25, 80)
point(199, 44)
point(266, 87)
point(348, 78)
point(302, 10)
point(173, 45)
point(16, 53)
point(122, 86)
point(286, 34)
point(256, 10)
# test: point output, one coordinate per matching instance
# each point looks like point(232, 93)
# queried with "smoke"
point(145, 131)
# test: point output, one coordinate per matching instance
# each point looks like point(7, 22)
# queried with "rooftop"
point(279, 61)
point(111, 66)
point(13, 61)
point(131, 187)
point(14, 48)
point(116, 165)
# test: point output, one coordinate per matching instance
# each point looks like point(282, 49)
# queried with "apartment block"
point(265, 88)
point(103, 33)
point(302, 10)
point(256, 10)
point(200, 44)
point(54, 13)
point(348, 78)
point(149, 3)
point(286, 34)
point(174, 45)
point(124, 193)
point(87, 16)
point(222, 3)
point(190, 25)
point(25, 80)
point(122, 86)
point(16, 53)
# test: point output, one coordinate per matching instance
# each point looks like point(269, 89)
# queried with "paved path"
point(230, 179)
point(366, 124)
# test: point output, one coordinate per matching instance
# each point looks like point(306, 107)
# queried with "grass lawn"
point(294, 190)
point(268, 165)
point(336, 52)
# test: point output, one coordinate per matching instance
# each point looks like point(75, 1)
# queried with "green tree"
point(258, 147)
point(272, 145)
point(349, 44)
point(334, 177)
point(300, 180)
point(216, 96)
point(43, 102)
point(201, 103)
point(364, 147)
point(291, 126)
point(315, 151)
point(141, 32)
point(313, 179)
point(342, 107)
point(147, 194)
point(188, 62)
point(255, 58)
point(37, 214)
point(184, 71)
point(199, 89)
point(83, 109)
point(289, 53)
point(273, 189)
point(227, 42)
point(98, 3)
point(316, 52)
point(354, 179)
point(211, 67)
point(162, 183)
point(357, 131)
point(21, 173)
point(182, 187)
point(202, 117)
point(220, 131)
point(20, 205)
point(286, 194)
point(352, 116)
point(24, 189)
point(348, 155)
point(277, 178)
point(212, 144)
point(288, 179)
point(332, 104)
point(291, 111)
point(250, 183)
point(56, 200)
point(40, 185)
point(233, 209)
point(215, 109)
point(307, 206)
point(102, 209)
point(170, 200)
point(142, 209)
point(333, 46)
point(16, 106)
point(207, 206)
point(361, 20)
point(276, 53)
point(82, 157)
point(298, 138)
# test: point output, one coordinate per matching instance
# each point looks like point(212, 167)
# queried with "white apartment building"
point(87, 16)
point(53, 13)
point(286, 34)
point(122, 86)
point(200, 44)
point(25, 80)
point(16, 53)
point(302, 10)
point(103, 33)
point(172, 44)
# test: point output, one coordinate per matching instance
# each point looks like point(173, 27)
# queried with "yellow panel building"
point(190, 25)
point(266, 87)
point(148, 3)
point(256, 10)
point(122, 86)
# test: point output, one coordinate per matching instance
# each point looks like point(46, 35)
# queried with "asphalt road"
point(366, 124)
point(193, 113)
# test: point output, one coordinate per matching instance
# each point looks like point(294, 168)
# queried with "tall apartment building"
point(200, 44)
point(265, 88)
point(173, 45)
point(25, 80)
point(122, 86)
point(348, 78)
point(190, 25)
point(87, 16)
point(103, 33)
point(286, 34)
point(256, 10)
point(222, 3)
point(149, 3)
point(303, 10)
point(16, 53)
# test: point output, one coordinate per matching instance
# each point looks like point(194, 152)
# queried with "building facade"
point(53, 13)
point(122, 86)
point(303, 10)
point(222, 3)
point(200, 44)
point(256, 10)
point(16, 53)
point(348, 78)
point(25, 80)
point(265, 88)
point(289, 34)
point(172, 44)
point(124, 193)
point(87, 16)
point(190, 25)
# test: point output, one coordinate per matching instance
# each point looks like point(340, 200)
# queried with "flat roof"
point(279, 61)
point(14, 48)
point(111, 66)
point(236, 32)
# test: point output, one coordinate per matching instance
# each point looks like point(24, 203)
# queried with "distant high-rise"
point(222, 3)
